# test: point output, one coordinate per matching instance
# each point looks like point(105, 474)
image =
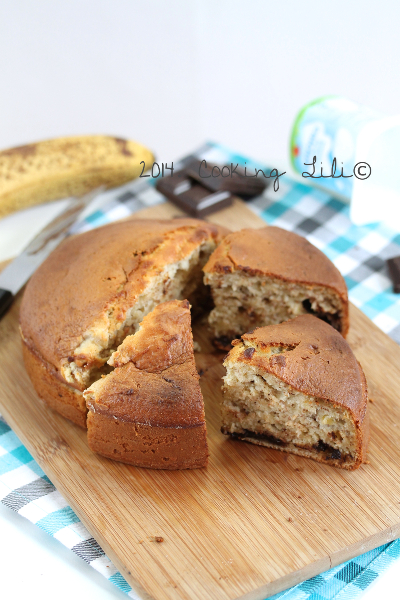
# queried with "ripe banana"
point(63, 167)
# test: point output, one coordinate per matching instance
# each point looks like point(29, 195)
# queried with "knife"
point(17, 273)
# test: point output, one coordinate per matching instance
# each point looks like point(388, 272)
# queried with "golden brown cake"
point(95, 289)
point(298, 387)
point(265, 276)
point(149, 410)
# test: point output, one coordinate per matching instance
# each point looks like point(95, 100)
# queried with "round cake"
point(95, 289)
point(105, 324)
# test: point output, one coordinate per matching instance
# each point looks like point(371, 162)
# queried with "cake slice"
point(265, 276)
point(149, 410)
point(297, 387)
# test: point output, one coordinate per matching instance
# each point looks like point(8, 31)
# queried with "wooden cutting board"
point(255, 521)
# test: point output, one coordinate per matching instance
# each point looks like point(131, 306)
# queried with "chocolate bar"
point(228, 178)
point(394, 272)
point(192, 197)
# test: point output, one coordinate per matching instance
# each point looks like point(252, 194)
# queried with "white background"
point(172, 74)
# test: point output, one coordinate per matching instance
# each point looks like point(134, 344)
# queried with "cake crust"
point(60, 396)
point(147, 446)
point(316, 361)
point(275, 252)
point(149, 410)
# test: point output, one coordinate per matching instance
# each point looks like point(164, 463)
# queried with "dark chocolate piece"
point(263, 437)
point(221, 178)
point(223, 343)
point(336, 455)
point(248, 353)
point(330, 453)
point(394, 272)
point(192, 197)
point(323, 447)
point(332, 319)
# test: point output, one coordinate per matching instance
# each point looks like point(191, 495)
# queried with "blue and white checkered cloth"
point(358, 252)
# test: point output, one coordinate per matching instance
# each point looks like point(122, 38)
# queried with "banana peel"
point(70, 166)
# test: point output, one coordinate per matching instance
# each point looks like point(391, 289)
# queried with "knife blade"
point(17, 273)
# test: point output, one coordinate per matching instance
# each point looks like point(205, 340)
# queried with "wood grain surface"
point(255, 521)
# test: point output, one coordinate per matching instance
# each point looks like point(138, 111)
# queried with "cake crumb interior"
point(243, 302)
point(178, 280)
point(259, 405)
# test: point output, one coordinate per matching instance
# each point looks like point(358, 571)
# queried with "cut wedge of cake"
point(297, 387)
point(265, 276)
point(95, 289)
point(149, 410)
